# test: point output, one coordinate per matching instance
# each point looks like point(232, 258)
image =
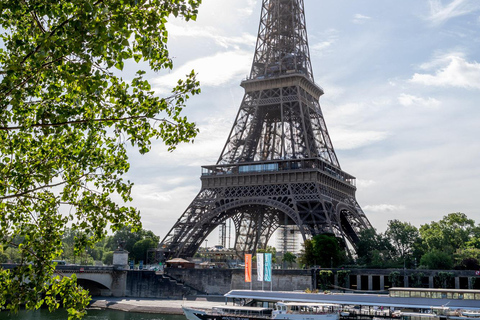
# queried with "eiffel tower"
point(278, 166)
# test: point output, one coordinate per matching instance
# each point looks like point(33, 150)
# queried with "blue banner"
point(268, 267)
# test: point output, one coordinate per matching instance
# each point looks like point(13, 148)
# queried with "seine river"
point(91, 315)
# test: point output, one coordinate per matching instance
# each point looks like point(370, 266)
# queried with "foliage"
point(417, 279)
point(136, 242)
point(108, 258)
point(402, 236)
point(65, 121)
point(468, 264)
point(269, 249)
point(289, 258)
point(473, 281)
point(395, 279)
point(462, 255)
point(343, 278)
point(373, 249)
point(325, 279)
point(452, 232)
point(3, 256)
point(444, 280)
point(307, 254)
point(141, 248)
point(437, 260)
point(322, 250)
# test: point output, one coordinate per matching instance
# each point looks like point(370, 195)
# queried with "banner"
point(268, 267)
point(260, 266)
point(248, 268)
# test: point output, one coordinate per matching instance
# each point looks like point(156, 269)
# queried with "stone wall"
point(177, 283)
point(205, 281)
point(282, 280)
point(148, 284)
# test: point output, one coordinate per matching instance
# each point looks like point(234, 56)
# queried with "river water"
point(91, 315)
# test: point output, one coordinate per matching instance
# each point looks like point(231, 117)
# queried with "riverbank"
point(161, 306)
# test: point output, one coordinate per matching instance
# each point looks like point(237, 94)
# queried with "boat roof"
point(308, 304)
point(378, 300)
point(242, 308)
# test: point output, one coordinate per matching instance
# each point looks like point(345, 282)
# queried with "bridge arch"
point(94, 288)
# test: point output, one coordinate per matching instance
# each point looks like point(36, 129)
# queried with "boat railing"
point(240, 312)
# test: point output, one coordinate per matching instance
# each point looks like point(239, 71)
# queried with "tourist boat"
point(283, 310)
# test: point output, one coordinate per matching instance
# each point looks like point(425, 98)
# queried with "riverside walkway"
point(161, 306)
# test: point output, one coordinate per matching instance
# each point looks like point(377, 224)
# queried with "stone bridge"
point(99, 281)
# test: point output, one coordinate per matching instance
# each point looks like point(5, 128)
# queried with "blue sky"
point(402, 92)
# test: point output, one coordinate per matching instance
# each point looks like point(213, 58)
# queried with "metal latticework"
point(278, 166)
point(282, 45)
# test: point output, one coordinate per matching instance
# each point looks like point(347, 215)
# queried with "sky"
point(401, 103)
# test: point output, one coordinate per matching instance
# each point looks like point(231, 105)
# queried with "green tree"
point(453, 232)
point(307, 257)
point(467, 259)
point(289, 258)
point(140, 249)
point(3, 256)
point(373, 249)
point(343, 277)
point(395, 279)
point(322, 250)
point(417, 279)
point(402, 236)
point(437, 260)
point(66, 118)
point(128, 237)
point(108, 258)
point(325, 279)
point(444, 280)
point(269, 249)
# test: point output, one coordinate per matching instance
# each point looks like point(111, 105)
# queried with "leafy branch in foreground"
point(65, 120)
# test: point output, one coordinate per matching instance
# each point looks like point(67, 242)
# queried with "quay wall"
point(148, 284)
point(221, 281)
point(282, 280)
point(177, 283)
point(204, 281)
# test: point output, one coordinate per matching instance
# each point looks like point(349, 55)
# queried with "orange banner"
point(248, 268)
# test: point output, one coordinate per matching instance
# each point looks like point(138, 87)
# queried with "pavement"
point(161, 306)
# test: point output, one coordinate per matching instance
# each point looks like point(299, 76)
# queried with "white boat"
point(283, 310)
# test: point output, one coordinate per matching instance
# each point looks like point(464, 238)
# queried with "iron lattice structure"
point(278, 166)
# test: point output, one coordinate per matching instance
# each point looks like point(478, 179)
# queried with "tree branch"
point(59, 124)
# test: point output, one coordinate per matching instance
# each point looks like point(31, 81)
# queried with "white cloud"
point(248, 8)
point(454, 71)
point(329, 37)
point(321, 46)
point(440, 13)
point(347, 140)
point(215, 70)
point(360, 18)
point(365, 183)
point(408, 100)
point(383, 207)
point(210, 32)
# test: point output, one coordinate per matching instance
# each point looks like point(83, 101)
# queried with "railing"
point(279, 166)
